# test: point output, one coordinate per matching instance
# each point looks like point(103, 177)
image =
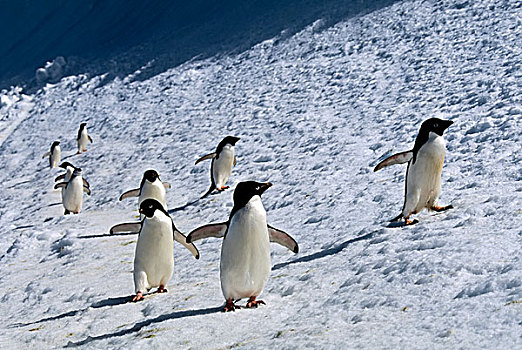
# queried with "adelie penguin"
point(223, 160)
point(423, 175)
point(82, 138)
point(72, 194)
point(245, 253)
point(151, 187)
point(154, 259)
point(54, 154)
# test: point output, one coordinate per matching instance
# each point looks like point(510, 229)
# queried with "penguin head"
point(82, 126)
point(229, 140)
point(64, 165)
point(149, 206)
point(55, 143)
point(77, 172)
point(151, 175)
point(435, 125)
point(246, 190)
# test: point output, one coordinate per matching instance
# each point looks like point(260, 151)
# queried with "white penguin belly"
point(154, 254)
point(245, 254)
point(72, 196)
point(222, 167)
point(424, 177)
point(154, 190)
point(82, 142)
point(55, 157)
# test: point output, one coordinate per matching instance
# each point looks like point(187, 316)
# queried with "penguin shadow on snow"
point(108, 235)
point(96, 305)
point(139, 325)
point(326, 252)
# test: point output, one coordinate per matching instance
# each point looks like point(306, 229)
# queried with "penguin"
point(72, 195)
point(223, 160)
point(154, 259)
point(150, 187)
point(54, 154)
point(82, 138)
point(65, 177)
point(423, 174)
point(245, 252)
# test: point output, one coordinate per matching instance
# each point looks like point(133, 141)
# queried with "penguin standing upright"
point(54, 154)
point(154, 259)
point(151, 187)
point(72, 196)
point(245, 253)
point(423, 175)
point(82, 138)
point(223, 160)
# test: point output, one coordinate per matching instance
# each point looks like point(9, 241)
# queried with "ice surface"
point(315, 111)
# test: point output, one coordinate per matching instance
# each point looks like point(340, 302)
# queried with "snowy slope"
point(315, 112)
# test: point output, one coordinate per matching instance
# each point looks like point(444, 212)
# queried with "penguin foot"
point(253, 303)
point(230, 306)
point(408, 222)
point(67, 212)
point(439, 209)
point(161, 289)
point(222, 188)
point(137, 297)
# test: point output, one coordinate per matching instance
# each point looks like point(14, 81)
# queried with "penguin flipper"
point(211, 230)
point(46, 154)
point(180, 238)
point(60, 185)
point(90, 139)
point(208, 156)
point(398, 158)
point(235, 160)
point(282, 238)
point(133, 227)
point(85, 183)
point(59, 177)
point(130, 193)
point(166, 184)
point(87, 190)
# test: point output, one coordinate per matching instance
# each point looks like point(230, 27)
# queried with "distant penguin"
point(65, 177)
point(150, 187)
point(154, 259)
point(54, 154)
point(223, 160)
point(423, 175)
point(72, 196)
point(83, 138)
point(245, 252)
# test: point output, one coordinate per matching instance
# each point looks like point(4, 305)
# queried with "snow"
point(316, 111)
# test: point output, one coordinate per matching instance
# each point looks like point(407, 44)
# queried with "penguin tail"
point(212, 188)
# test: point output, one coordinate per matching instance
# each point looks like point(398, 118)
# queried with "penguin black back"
point(82, 126)
point(53, 146)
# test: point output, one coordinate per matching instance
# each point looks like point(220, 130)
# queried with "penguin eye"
point(436, 125)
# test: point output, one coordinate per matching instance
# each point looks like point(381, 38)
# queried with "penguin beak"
point(447, 124)
point(265, 187)
point(141, 211)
